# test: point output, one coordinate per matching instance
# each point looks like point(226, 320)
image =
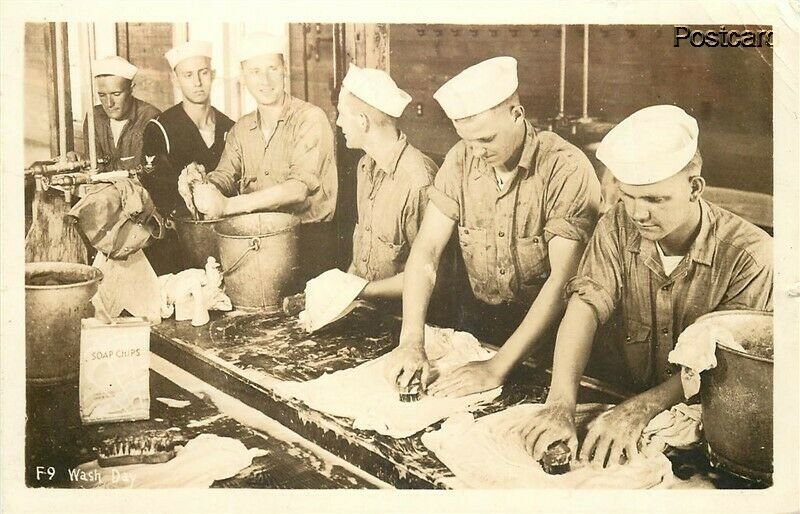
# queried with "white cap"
point(478, 88)
point(329, 297)
point(376, 88)
point(114, 65)
point(650, 145)
point(186, 50)
point(260, 43)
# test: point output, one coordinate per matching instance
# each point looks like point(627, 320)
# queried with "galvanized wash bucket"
point(57, 296)
point(197, 239)
point(737, 396)
point(260, 259)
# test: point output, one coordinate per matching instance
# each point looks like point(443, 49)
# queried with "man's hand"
point(554, 422)
point(209, 200)
point(613, 437)
point(190, 176)
point(473, 377)
point(404, 362)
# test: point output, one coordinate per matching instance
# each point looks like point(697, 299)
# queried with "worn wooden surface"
point(243, 354)
point(56, 438)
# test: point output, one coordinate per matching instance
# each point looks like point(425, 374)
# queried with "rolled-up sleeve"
point(313, 150)
point(229, 170)
point(446, 191)
point(413, 212)
point(599, 279)
point(573, 198)
point(751, 284)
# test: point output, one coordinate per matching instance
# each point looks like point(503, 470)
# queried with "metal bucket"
point(259, 257)
point(197, 240)
point(737, 397)
point(57, 296)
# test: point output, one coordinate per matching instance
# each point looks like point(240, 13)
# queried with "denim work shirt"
point(391, 200)
point(728, 267)
point(300, 148)
point(503, 234)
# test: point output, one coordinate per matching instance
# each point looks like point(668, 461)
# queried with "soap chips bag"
point(115, 370)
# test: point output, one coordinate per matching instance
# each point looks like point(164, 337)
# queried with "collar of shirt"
point(396, 152)
point(286, 111)
point(703, 247)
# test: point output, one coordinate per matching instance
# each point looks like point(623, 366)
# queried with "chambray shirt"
point(126, 153)
point(391, 200)
point(503, 234)
point(300, 148)
point(728, 267)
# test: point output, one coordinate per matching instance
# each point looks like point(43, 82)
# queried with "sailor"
point(524, 203)
point(276, 158)
point(191, 131)
point(121, 118)
point(393, 179)
point(658, 260)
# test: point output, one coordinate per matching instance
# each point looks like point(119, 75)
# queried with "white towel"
point(203, 460)
point(696, 352)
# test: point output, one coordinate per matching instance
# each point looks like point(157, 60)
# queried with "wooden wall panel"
point(728, 90)
point(146, 44)
point(36, 127)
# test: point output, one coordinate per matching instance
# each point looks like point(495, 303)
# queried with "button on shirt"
point(728, 267)
point(391, 201)
point(503, 234)
point(300, 148)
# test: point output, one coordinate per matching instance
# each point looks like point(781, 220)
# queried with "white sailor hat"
point(376, 88)
point(478, 88)
point(260, 43)
point(114, 65)
point(186, 50)
point(650, 145)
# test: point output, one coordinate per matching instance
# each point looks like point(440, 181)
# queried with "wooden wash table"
point(244, 354)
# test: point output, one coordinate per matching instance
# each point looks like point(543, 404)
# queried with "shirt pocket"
point(389, 259)
point(473, 249)
point(532, 260)
point(636, 348)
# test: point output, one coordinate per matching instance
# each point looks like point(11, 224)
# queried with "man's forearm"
point(573, 348)
point(390, 288)
point(543, 314)
point(661, 397)
point(269, 199)
point(419, 279)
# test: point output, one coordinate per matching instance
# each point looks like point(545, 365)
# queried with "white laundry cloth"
point(484, 454)
point(696, 352)
point(203, 460)
point(129, 284)
point(363, 393)
point(330, 296)
point(679, 427)
point(191, 293)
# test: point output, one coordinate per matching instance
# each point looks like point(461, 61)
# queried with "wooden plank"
point(49, 33)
